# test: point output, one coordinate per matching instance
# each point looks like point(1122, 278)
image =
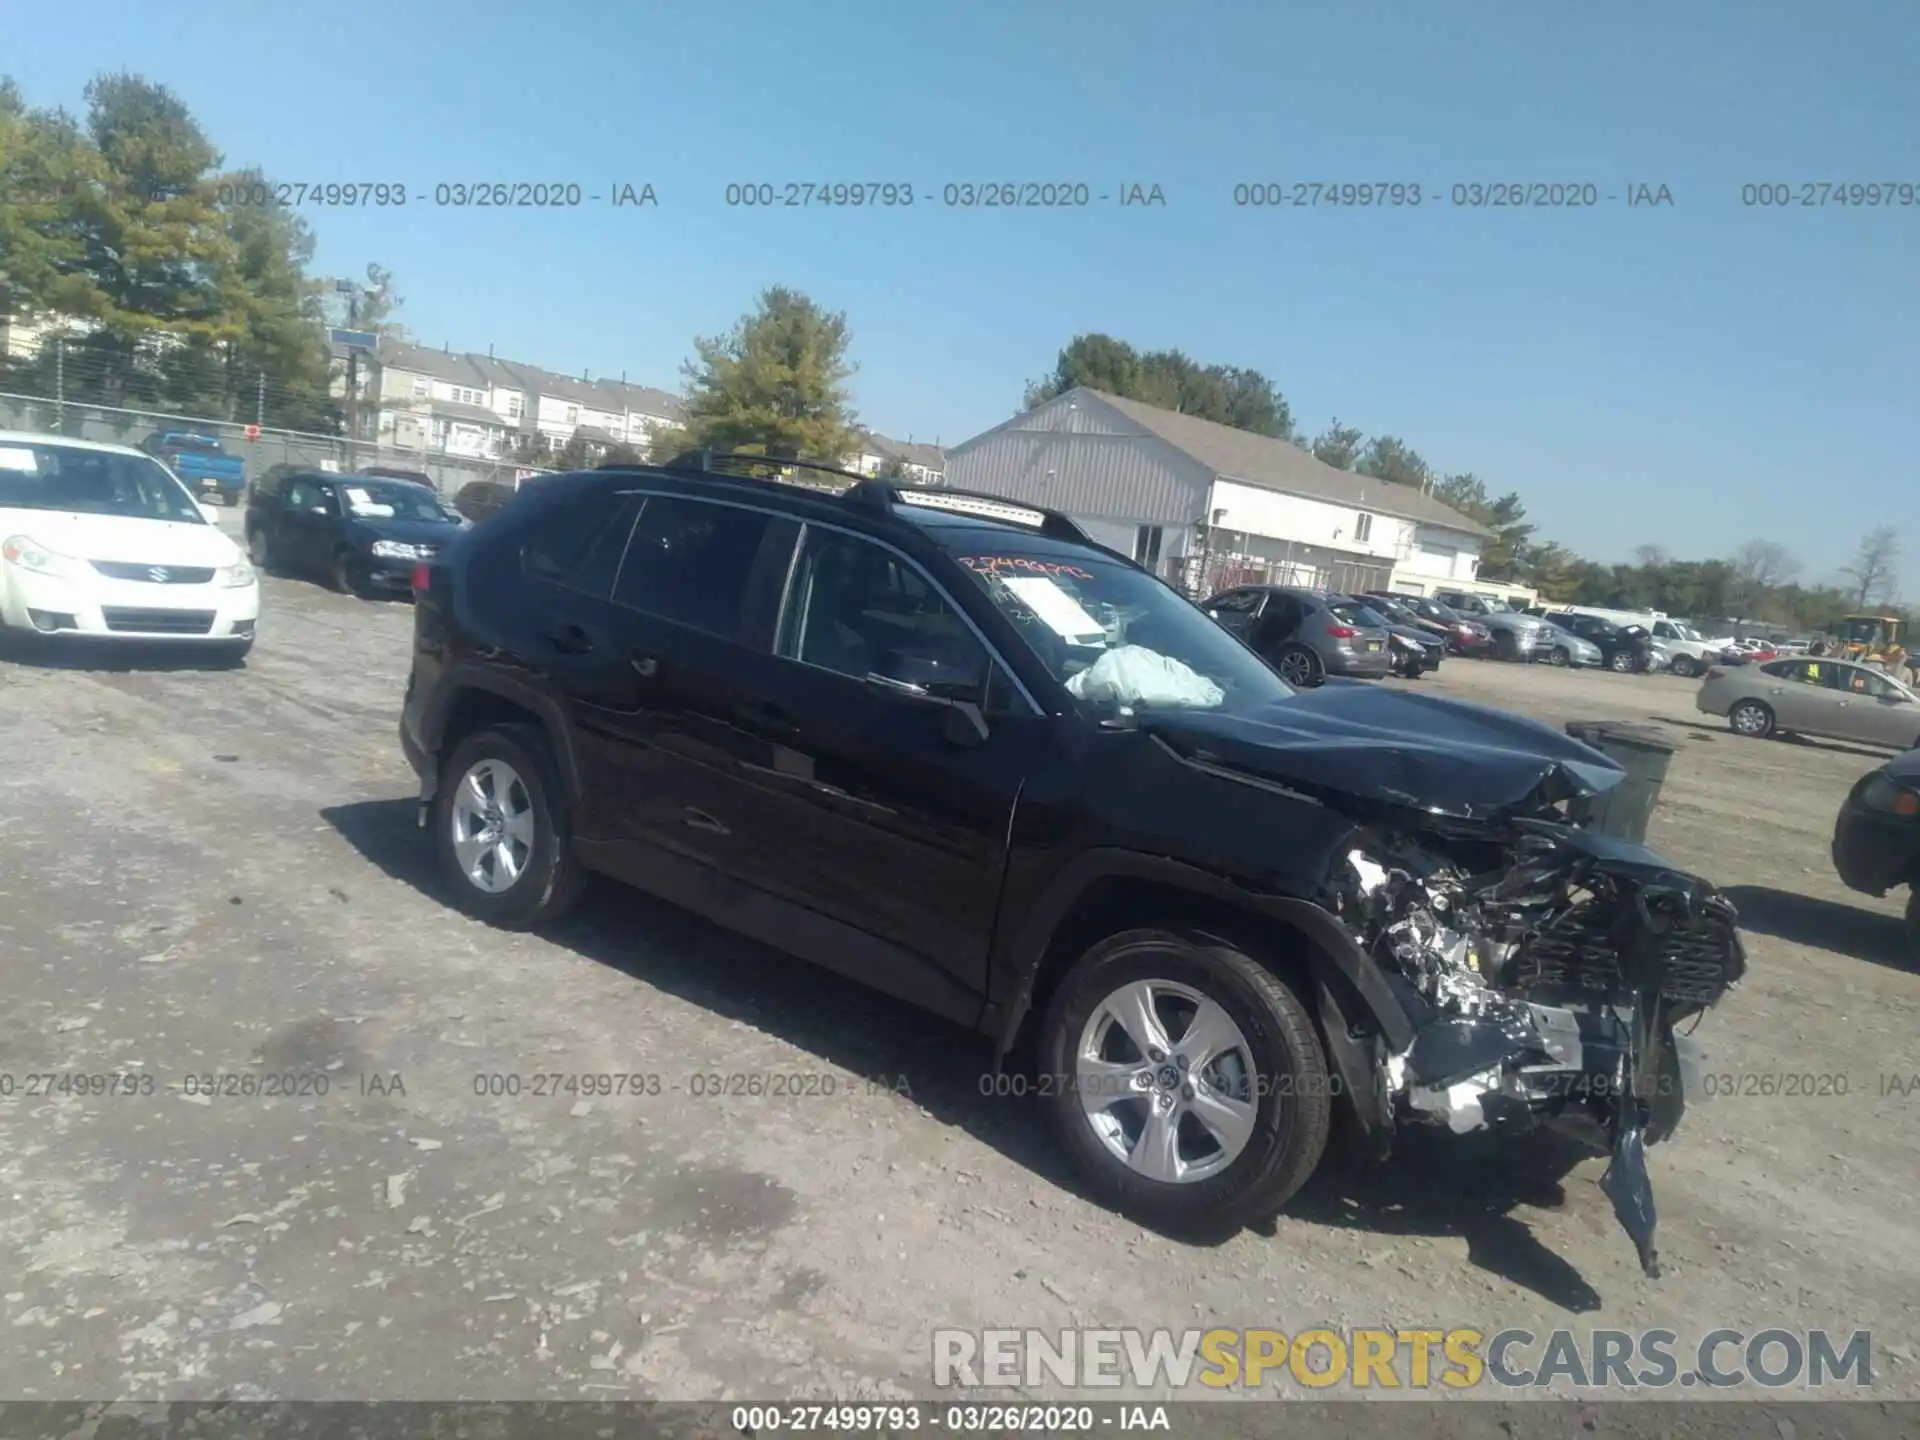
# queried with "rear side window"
point(578, 546)
point(690, 561)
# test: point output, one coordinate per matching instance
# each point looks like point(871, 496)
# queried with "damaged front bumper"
point(1543, 998)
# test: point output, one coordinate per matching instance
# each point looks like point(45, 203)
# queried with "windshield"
point(92, 482)
point(1444, 613)
point(391, 500)
point(1121, 640)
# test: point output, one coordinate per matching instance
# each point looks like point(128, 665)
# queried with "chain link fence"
point(266, 448)
point(1208, 573)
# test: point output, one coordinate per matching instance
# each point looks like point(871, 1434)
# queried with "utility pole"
point(60, 384)
point(260, 402)
point(352, 292)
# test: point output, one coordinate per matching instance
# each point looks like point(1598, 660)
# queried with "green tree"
point(622, 455)
point(46, 165)
point(1338, 445)
point(1395, 461)
point(664, 442)
point(1170, 379)
point(576, 454)
point(776, 385)
point(278, 361)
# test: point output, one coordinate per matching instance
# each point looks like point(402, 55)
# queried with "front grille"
point(156, 622)
point(1575, 954)
point(154, 574)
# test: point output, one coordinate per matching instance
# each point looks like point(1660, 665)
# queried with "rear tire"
point(1621, 663)
point(1505, 647)
point(1271, 1060)
point(1685, 666)
point(1751, 718)
point(1561, 658)
point(521, 775)
point(1299, 667)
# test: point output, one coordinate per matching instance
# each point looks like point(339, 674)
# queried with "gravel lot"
point(219, 873)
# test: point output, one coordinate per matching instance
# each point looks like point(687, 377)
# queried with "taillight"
point(422, 578)
point(1716, 674)
point(1342, 632)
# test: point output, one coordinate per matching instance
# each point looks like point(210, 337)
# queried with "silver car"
point(1834, 699)
point(1563, 647)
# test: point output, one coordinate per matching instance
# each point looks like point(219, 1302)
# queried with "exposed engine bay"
point(1545, 973)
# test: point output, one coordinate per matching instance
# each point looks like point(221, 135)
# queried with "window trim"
point(786, 590)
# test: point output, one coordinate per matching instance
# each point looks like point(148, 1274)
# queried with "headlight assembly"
point(28, 554)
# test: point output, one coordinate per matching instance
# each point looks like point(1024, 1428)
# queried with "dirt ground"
point(218, 873)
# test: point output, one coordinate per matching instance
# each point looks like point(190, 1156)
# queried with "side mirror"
point(935, 680)
point(209, 513)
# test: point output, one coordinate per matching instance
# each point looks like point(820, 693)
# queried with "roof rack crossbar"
point(710, 461)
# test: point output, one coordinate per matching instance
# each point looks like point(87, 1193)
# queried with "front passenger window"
point(858, 609)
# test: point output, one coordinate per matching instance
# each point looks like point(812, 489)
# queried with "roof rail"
point(879, 495)
point(710, 462)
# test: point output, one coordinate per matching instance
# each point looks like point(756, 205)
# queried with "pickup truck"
point(203, 467)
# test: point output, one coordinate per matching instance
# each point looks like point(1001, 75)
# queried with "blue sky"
point(1691, 375)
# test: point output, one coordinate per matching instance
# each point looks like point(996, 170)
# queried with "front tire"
point(1621, 663)
point(260, 549)
point(501, 830)
point(1561, 658)
point(1188, 1082)
point(1913, 926)
point(344, 575)
point(1751, 718)
point(232, 654)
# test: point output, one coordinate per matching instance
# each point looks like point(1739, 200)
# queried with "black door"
point(692, 614)
point(303, 539)
point(896, 804)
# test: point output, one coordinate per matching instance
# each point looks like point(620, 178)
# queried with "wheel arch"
point(476, 700)
point(1106, 893)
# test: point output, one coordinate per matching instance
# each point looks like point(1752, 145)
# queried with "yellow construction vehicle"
point(1873, 639)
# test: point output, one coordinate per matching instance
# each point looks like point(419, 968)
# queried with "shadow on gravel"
point(1455, 1190)
point(939, 1067)
point(1448, 1186)
point(1824, 924)
point(112, 656)
point(1798, 742)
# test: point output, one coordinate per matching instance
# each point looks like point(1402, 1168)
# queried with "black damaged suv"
point(947, 745)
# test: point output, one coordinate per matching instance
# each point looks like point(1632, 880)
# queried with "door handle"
point(645, 666)
point(700, 820)
point(569, 640)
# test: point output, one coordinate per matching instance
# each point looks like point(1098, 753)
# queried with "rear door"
point(1800, 697)
point(693, 610)
point(1278, 621)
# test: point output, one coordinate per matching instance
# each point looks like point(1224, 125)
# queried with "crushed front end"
point(1545, 969)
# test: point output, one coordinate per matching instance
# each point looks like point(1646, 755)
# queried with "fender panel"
point(1028, 940)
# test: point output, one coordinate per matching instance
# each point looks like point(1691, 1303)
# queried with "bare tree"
point(1759, 566)
point(1650, 557)
point(1870, 577)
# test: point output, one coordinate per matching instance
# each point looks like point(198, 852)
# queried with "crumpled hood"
point(1444, 757)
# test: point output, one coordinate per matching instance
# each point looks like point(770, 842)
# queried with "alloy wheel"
point(1750, 717)
point(1166, 1081)
point(1622, 662)
point(1296, 668)
point(1561, 658)
point(493, 826)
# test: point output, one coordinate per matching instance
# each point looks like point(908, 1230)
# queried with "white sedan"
point(103, 542)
